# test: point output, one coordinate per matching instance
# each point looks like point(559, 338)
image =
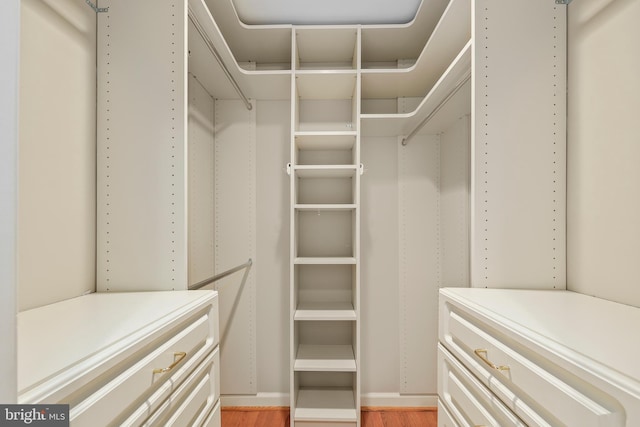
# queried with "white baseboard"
point(368, 399)
point(260, 399)
point(399, 400)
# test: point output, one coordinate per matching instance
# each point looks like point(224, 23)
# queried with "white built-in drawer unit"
point(537, 358)
point(463, 394)
point(139, 358)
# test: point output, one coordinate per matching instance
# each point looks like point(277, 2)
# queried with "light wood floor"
point(371, 417)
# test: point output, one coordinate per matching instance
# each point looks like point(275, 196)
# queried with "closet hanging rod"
point(221, 275)
point(216, 55)
point(424, 121)
point(95, 8)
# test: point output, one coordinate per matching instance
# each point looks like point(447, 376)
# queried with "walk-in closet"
point(207, 205)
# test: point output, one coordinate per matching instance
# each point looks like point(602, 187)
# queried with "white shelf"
point(330, 311)
point(325, 358)
point(328, 84)
point(442, 115)
point(325, 140)
point(325, 207)
point(272, 84)
point(269, 43)
point(325, 404)
point(450, 35)
point(259, 43)
point(324, 260)
point(325, 171)
point(389, 42)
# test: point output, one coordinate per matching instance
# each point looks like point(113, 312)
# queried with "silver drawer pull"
point(482, 354)
point(177, 359)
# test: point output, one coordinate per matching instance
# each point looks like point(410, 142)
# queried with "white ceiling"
point(326, 11)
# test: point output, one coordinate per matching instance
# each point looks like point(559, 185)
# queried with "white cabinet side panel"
point(201, 185)
point(9, 78)
point(379, 293)
point(603, 235)
point(141, 239)
point(455, 146)
point(57, 166)
point(235, 242)
point(419, 262)
point(518, 159)
point(272, 260)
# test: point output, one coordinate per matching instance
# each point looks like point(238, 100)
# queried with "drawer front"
point(214, 419)
point(468, 400)
point(194, 403)
point(162, 367)
point(445, 419)
point(536, 390)
point(198, 393)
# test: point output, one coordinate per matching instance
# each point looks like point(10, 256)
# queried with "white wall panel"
point(142, 183)
point(56, 235)
point(272, 233)
point(235, 240)
point(455, 147)
point(201, 193)
point(379, 302)
point(518, 160)
point(603, 150)
point(9, 78)
point(419, 261)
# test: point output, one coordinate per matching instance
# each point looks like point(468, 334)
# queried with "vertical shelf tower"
point(325, 226)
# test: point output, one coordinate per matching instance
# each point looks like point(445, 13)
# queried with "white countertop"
point(56, 337)
point(577, 325)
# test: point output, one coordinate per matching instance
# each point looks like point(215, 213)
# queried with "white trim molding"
point(367, 399)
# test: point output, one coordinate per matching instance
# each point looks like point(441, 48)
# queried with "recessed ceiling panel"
point(326, 12)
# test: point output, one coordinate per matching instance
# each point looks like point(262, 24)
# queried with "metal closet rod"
point(455, 90)
point(95, 8)
point(216, 55)
point(221, 275)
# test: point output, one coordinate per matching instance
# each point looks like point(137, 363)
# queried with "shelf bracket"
point(288, 168)
point(97, 9)
point(563, 1)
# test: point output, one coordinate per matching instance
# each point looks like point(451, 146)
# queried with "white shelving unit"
point(450, 35)
point(325, 196)
point(446, 101)
point(340, 89)
point(257, 82)
point(145, 160)
point(329, 84)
